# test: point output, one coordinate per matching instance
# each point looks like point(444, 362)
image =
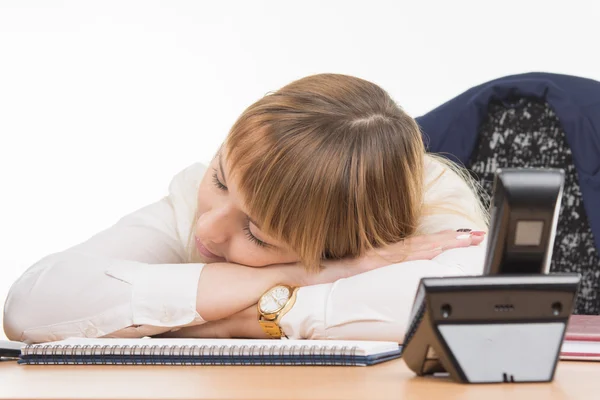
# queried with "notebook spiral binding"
point(189, 355)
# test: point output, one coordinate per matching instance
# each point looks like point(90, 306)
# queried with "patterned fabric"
point(527, 133)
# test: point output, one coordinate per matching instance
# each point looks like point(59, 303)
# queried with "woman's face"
point(224, 231)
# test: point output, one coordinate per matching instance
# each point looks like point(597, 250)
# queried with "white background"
point(102, 102)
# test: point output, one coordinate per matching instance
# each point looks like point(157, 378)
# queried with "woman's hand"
point(422, 247)
point(426, 247)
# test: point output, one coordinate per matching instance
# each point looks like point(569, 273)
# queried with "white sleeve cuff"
point(306, 319)
point(161, 294)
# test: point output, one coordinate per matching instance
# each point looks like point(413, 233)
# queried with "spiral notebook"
point(209, 352)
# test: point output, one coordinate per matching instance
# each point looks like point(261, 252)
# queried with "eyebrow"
point(222, 173)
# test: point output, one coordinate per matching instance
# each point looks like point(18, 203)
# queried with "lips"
point(205, 252)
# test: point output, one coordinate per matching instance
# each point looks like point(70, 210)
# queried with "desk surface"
point(391, 380)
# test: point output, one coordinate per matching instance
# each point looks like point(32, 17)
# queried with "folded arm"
point(374, 305)
point(131, 280)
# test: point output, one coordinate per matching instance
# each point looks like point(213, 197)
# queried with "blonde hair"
point(330, 165)
point(472, 208)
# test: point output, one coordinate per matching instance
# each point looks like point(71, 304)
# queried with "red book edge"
point(574, 337)
point(569, 354)
point(583, 328)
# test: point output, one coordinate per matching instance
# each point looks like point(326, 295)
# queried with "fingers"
point(429, 241)
point(476, 239)
point(425, 254)
point(424, 247)
point(446, 240)
point(464, 240)
point(453, 239)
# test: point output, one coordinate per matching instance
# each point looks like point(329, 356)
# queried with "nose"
point(215, 225)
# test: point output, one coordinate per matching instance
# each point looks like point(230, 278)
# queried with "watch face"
point(275, 299)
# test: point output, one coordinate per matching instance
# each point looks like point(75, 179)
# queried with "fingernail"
point(463, 230)
point(462, 237)
point(478, 233)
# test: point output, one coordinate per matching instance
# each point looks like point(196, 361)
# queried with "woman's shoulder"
point(441, 178)
point(451, 198)
point(183, 193)
point(442, 184)
point(189, 178)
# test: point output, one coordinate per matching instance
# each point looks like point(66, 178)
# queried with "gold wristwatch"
point(272, 306)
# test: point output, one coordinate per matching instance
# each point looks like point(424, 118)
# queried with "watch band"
point(271, 328)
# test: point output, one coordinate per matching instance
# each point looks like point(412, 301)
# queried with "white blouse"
point(130, 280)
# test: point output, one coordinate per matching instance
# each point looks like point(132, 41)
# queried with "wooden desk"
point(392, 380)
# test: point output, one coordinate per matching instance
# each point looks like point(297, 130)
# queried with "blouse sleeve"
point(127, 281)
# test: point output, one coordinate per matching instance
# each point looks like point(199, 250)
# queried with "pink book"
point(582, 339)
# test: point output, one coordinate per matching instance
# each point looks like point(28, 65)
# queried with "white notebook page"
point(229, 347)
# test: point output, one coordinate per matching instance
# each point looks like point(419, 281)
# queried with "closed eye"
point(253, 238)
point(217, 182)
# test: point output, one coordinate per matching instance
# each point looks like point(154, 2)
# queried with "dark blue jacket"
point(453, 127)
